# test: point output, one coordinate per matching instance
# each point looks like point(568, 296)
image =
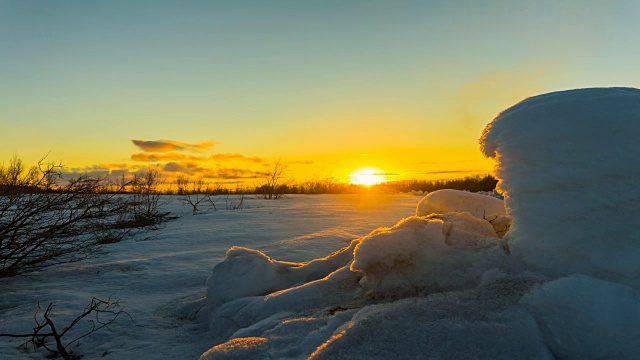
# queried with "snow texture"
point(568, 163)
point(246, 272)
point(426, 254)
point(449, 200)
point(586, 318)
point(481, 206)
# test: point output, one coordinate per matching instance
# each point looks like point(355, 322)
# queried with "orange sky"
point(224, 90)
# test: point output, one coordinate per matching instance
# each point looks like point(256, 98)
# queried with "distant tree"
point(273, 184)
point(469, 183)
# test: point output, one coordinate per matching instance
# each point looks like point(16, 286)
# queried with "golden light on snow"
point(249, 346)
point(367, 176)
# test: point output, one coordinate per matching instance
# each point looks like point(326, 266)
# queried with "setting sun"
point(367, 176)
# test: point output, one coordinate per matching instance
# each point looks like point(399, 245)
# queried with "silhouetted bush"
point(45, 220)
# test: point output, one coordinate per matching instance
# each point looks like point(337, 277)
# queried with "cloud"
point(234, 173)
point(145, 157)
point(193, 169)
point(237, 157)
point(301, 162)
point(187, 168)
point(113, 171)
point(453, 172)
point(113, 166)
point(170, 145)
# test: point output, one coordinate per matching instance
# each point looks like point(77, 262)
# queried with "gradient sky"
point(224, 88)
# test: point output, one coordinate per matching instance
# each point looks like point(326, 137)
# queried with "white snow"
point(426, 254)
point(568, 163)
point(481, 206)
point(246, 272)
point(449, 200)
point(586, 318)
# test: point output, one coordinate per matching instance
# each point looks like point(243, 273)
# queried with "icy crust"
point(568, 163)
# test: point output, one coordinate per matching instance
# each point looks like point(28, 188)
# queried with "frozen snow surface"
point(569, 163)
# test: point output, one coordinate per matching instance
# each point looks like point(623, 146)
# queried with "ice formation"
point(569, 164)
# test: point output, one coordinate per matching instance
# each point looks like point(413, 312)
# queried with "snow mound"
point(482, 323)
point(425, 254)
point(251, 295)
point(568, 164)
point(449, 200)
point(247, 272)
point(481, 206)
point(585, 318)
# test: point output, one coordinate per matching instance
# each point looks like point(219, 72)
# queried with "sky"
point(224, 89)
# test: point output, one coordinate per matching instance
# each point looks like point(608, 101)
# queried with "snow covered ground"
point(156, 279)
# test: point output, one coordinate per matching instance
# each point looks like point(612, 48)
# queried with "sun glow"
point(367, 176)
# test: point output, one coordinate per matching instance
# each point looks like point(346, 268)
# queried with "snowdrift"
point(442, 284)
point(481, 206)
point(568, 163)
point(425, 254)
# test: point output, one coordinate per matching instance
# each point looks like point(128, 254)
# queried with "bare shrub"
point(234, 204)
point(194, 192)
point(46, 335)
point(45, 221)
point(146, 197)
point(273, 184)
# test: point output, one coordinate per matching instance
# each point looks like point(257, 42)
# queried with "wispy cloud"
point(170, 145)
point(301, 162)
point(171, 156)
point(187, 168)
point(453, 172)
point(233, 173)
point(193, 169)
point(236, 157)
point(114, 166)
